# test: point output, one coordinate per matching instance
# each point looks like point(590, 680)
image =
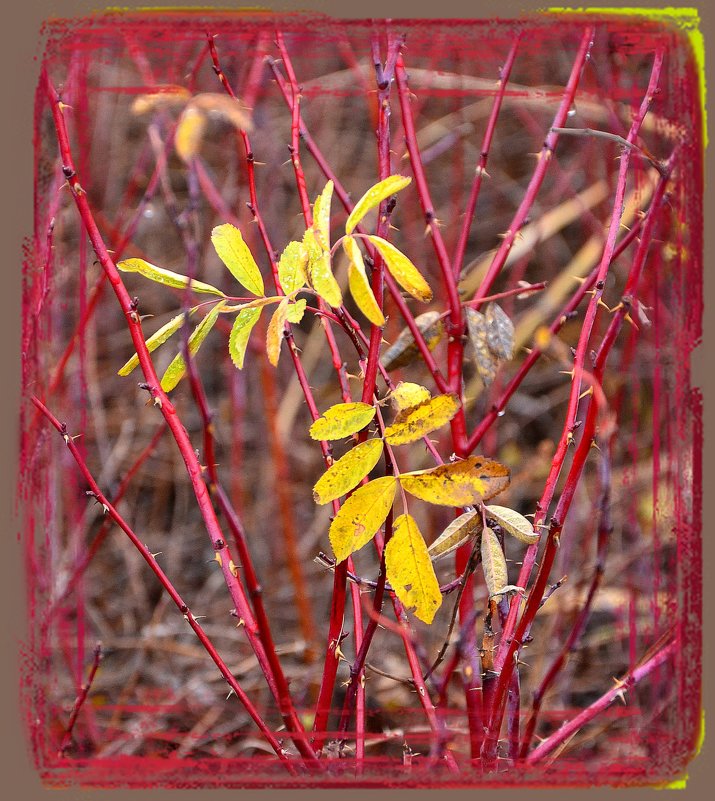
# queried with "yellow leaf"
point(342, 420)
point(292, 267)
point(189, 132)
point(513, 523)
point(415, 422)
point(409, 569)
point(168, 95)
point(321, 216)
point(461, 530)
point(493, 564)
point(240, 332)
point(156, 339)
point(359, 284)
point(175, 371)
point(274, 335)
point(373, 197)
point(404, 350)
point(296, 311)
point(320, 272)
point(235, 254)
point(361, 516)
point(462, 483)
point(166, 277)
point(348, 471)
point(403, 270)
point(405, 395)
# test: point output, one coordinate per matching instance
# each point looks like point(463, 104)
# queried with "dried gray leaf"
point(513, 523)
point(404, 350)
point(500, 332)
point(485, 361)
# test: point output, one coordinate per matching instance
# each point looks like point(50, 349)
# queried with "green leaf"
point(496, 575)
point(348, 471)
point(156, 339)
point(460, 531)
point(176, 370)
point(276, 329)
point(417, 421)
point(409, 569)
point(235, 254)
point(342, 420)
point(292, 267)
point(166, 277)
point(403, 270)
point(240, 332)
point(360, 517)
point(513, 523)
point(359, 284)
point(373, 197)
point(320, 273)
point(461, 483)
point(296, 311)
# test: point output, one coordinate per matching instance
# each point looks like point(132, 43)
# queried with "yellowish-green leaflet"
point(166, 277)
point(409, 569)
point(403, 270)
point(359, 284)
point(321, 216)
point(406, 394)
point(348, 471)
point(156, 339)
point(342, 420)
point(276, 329)
point(493, 564)
point(237, 257)
point(240, 332)
point(176, 370)
point(373, 197)
point(360, 517)
point(292, 267)
point(296, 311)
point(320, 273)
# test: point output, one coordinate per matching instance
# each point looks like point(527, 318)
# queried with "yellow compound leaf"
point(166, 277)
point(342, 420)
point(361, 516)
point(403, 270)
point(235, 254)
point(296, 311)
point(373, 197)
point(493, 564)
point(169, 95)
point(404, 350)
point(359, 284)
point(405, 395)
point(348, 471)
point(156, 339)
point(320, 273)
point(513, 523)
point(176, 370)
point(274, 335)
point(189, 133)
point(460, 531)
point(409, 570)
point(462, 483)
point(321, 216)
point(240, 332)
point(415, 422)
point(292, 267)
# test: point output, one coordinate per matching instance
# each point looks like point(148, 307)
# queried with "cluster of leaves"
point(306, 266)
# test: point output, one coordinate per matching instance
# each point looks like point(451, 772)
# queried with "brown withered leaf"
point(404, 350)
